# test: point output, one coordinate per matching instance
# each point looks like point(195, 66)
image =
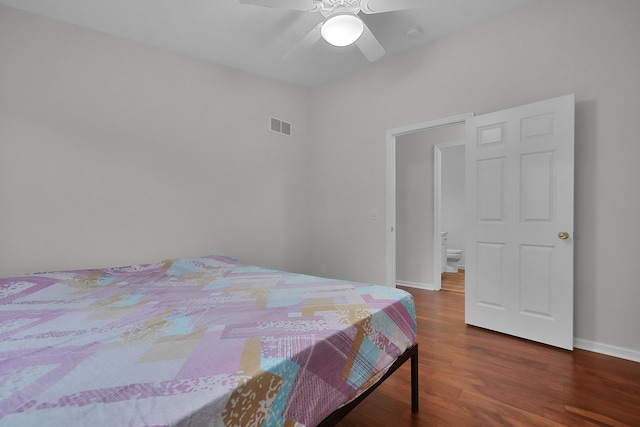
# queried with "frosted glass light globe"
point(342, 29)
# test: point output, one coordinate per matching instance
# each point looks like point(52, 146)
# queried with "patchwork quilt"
point(192, 342)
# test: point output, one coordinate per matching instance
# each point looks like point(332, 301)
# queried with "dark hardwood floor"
point(474, 377)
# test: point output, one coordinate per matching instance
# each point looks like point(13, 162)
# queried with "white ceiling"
point(256, 38)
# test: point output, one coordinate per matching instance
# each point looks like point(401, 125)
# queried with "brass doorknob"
point(563, 235)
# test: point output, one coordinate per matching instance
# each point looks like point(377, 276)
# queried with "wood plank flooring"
point(453, 282)
point(474, 377)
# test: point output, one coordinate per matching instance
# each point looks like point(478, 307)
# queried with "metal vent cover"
point(280, 126)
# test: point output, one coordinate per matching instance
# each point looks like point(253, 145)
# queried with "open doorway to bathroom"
point(449, 198)
point(414, 243)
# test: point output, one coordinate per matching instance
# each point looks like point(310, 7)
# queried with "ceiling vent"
point(280, 126)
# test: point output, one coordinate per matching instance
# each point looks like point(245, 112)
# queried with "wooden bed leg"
point(414, 380)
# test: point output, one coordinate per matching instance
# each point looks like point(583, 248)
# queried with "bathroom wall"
point(452, 199)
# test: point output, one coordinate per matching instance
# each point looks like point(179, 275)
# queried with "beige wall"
point(543, 50)
point(414, 210)
point(112, 152)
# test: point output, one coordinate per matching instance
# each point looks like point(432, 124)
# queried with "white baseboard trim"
point(416, 285)
point(609, 350)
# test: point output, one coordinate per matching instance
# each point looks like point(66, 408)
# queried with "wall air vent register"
point(280, 126)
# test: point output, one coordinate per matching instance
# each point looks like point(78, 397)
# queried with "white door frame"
point(392, 134)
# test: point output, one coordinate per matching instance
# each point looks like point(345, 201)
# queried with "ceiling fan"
point(342, 25)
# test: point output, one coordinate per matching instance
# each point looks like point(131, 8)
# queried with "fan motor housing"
point(331, 7)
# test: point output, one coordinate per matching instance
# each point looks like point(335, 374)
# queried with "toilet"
point(453, 258)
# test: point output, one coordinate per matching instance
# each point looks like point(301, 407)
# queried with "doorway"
point(449, 175)
point(431, 273)
point(519, 208)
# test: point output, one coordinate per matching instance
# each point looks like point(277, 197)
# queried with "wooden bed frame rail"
point(410, 353)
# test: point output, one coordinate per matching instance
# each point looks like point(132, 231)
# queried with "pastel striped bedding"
point(203, 341)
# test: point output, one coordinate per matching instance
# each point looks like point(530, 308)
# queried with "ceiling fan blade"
point(370, 46)
point(379, 6)
point(309, 40)
point(304, 5)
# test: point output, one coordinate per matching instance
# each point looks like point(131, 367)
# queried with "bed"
point(204, 341)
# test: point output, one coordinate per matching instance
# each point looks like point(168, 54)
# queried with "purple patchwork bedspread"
point(198, 341)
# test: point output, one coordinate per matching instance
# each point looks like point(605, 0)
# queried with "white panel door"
point(519, 189)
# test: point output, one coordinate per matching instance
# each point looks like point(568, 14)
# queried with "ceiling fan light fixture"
point(342, 29)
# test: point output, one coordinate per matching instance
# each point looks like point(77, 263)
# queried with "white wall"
point(545, 49)
point(453, 197)
point(414, 210)
point(112, 152)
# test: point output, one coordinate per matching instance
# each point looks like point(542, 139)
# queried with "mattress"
point(194, 342)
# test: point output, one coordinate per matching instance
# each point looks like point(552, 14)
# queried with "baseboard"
point(609, 350)
point(416, 285)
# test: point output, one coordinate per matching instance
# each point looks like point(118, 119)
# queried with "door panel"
point(490, 265)
point(490, 188)
point(535, 272)
point(536, 175)
point(519, 273)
